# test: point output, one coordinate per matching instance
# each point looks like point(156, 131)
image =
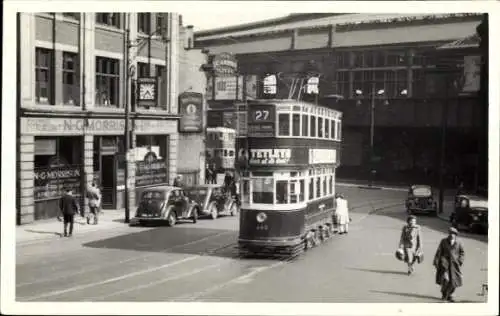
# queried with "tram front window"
point(282, 192)
point(262, 190)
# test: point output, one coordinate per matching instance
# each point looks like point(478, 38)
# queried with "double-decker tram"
point(288, 182)
point(221, 149)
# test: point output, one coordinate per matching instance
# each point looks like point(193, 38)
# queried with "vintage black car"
point(165, 204)
point(213, 200)
point(421, 200)
point(471, 211)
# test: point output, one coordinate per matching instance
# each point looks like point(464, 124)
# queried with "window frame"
point(144, 23)
point(108, 77)
point(49, 69)
point(74, 73)
point(110, 19)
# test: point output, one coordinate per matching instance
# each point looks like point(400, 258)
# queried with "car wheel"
point(171, 219)
point(214, 213)
point(195, 215)
point(234, 209)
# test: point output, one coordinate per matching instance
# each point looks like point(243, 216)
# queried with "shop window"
point(282, 192)
point(262, 190)
point(71, 87)
point(110, 19)
point(107, 82)
point(151, 155)
point(57, 166)
point(284, 124)
point(296, 125)
point(44, 83)
point(144, 23)
point(305, 125)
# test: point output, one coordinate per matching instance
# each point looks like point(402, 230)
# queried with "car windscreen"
point(196, 193)
point(424, 192)
point(153, 195)
point(478, 204)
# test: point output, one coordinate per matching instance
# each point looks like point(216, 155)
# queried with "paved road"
point(199, 262)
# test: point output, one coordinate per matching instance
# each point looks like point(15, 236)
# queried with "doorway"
point(108, 181)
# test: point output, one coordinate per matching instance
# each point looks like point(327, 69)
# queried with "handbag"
point(400, 254)
point(420, 257)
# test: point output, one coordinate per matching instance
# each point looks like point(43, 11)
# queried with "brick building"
point(360, 55)
point(72, 94)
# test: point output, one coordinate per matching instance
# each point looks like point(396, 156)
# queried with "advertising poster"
point(191, 111)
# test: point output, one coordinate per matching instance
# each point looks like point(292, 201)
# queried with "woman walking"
point(342, 214)
point(448, 261)
point(411, 242)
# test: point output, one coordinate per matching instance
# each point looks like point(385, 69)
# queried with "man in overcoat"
point(448, 261)
point(69, 207)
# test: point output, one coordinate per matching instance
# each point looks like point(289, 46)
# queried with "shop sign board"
point(191, 111)
point(52, 180)
point(150, 170)
point(62, 126)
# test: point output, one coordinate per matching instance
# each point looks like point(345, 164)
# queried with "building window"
point(342, 83)
point(71, 87)
point(159, 70)
point(111, 19)
point(144, 23)
point(143, 70)
point(44, 76)
point(343, 60)
point(107, 82)
point(72, 15)
point(359, 60)
point(418, 83)
point(395, 58)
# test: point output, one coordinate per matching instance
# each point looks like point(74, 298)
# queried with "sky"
point(203, 21)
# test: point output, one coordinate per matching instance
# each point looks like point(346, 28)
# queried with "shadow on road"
point(43, 232)
point(183, 240)
point(429, 222)
point(409, 295)
point(422, 296)
point(380, 271)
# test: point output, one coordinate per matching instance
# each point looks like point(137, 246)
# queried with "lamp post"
point(373, 95)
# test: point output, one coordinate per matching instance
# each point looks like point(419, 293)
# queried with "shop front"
point(61, 153)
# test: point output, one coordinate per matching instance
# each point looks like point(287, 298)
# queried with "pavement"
point(200, 262)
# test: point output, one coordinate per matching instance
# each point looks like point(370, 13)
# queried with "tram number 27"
point(261, 115)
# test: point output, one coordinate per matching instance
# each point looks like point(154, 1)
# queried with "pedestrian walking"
point(411, 243)
point(68, 206)
point(209, 174)
point(448, 261)
point(94, 197)
point(342, 214)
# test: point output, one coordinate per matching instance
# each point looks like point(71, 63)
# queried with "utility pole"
point(130, 72)
point(444, 127)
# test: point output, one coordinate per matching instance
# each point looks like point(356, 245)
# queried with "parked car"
point(471, 211)
point(421, 200)
point(165, 204)
point(213, 200)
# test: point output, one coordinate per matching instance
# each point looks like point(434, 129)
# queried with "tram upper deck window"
point(320, 127)
point(296, 124)
point(284, 124)
point(305, 125)
point(332, 129)
point(262, 190)
point(313, 126)
point(327, 128)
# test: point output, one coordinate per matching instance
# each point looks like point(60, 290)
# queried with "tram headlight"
point(261, 217)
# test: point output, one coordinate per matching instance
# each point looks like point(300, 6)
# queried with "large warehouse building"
point(391, 63)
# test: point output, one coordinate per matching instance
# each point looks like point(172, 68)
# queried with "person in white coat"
point(342, 212)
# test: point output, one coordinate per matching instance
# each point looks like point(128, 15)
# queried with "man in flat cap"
point(448, 261)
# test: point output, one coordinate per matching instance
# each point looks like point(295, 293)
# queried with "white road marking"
point(140, 287)
point(243, 278)
point(143, 257)
point(89, 285)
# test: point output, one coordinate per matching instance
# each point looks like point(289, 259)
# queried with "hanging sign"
point(191, 111)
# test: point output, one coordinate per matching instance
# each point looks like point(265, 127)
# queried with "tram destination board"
point(261, 121)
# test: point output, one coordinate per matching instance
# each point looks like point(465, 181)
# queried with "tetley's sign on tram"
point(61, 126)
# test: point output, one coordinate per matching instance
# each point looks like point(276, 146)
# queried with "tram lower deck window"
point(262, 190)
point(282, 192)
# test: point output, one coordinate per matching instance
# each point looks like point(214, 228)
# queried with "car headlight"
point(261, 217)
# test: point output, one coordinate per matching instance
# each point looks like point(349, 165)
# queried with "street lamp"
point(373, 95)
